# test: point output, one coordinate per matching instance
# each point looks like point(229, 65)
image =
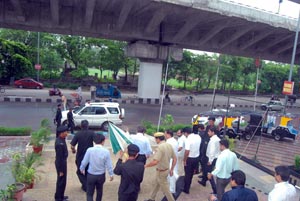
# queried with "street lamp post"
point(293, 59)
point(216, 81)
point(38, 56)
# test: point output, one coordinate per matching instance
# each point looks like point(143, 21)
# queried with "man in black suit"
point(132, 173)
point(84, 140)
point(61, 155)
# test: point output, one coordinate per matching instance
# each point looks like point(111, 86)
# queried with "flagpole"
point(164, 88)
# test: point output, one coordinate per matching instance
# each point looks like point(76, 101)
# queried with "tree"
point(14, 62)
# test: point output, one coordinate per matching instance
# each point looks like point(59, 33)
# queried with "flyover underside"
point(159, 22)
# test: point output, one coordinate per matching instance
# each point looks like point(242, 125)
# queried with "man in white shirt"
point(283, 191)
point(143, 143)
point(181, 150)
point(191, 157)
point(227, 162)
point(212, 153)
point(173, 142)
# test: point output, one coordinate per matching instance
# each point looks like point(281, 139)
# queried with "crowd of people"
point(178, 157)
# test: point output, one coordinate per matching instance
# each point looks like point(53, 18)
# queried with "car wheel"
point(20, 86)
point(38, 87)
point(65, 123)
point(277, 137)
point(231, 134)
point(104, 126)
point(247, 136)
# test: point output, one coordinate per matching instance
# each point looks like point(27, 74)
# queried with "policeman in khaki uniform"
point(161, 159)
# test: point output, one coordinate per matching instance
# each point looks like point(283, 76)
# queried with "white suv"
point(97, 113)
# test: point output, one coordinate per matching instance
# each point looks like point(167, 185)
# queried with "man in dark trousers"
point(203, 147)
point(132, 173)
point(99, 160)
point(84, 140)
point(61, 152)
point(58, 117)
point(238, 192)
point(70, 121)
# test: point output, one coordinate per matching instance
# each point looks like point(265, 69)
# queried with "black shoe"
point(183, 190)
point(66, 197)
point(83, 188)
point(200, 176)
point(203, 183)
point(187, 192)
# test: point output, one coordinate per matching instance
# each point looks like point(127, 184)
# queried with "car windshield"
point(76, 109)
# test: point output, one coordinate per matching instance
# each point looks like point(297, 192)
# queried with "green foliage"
point(167, 125)
point(168, 120)
point(22, 131)
point(297, 162)
point(24, 168)
point(231, 143)
point(42, 135)
point(8, 193)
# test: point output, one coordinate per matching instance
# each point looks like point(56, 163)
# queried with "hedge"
point(21, 131)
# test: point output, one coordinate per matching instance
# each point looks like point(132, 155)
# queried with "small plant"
point(8, 193)
point(297, 162)
point(23, 168)
point(42, 135)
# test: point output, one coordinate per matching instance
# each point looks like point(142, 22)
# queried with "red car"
point(28, 83)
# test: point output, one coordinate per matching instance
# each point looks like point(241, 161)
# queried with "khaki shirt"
point(164, 154)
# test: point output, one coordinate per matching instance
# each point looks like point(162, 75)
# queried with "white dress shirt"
point(283, 191)
point(192, 144)
point(226, 163)
point(173, 142)
point(213, 148)
point(143, 143)
point(181, 143)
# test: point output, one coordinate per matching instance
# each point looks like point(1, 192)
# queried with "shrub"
point(168, 124)
point(42, 135)
point(297, 162)
point(21, 131)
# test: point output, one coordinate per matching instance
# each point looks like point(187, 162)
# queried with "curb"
point(147, 101)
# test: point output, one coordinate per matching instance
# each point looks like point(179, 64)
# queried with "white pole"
point(255, 95)
point(38, 56)
point(293, 59)
point(164, 88)
point(216, 81)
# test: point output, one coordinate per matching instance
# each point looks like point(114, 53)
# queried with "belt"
point(161, 170)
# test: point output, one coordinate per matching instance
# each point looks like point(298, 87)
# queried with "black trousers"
point(128, 197)
point(61, 183)
point(191, 165)
point(204, 161)
point(141, 158)
point(210, 168)
point(95, 181)
point(81, 177)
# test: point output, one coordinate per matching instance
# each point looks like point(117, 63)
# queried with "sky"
point(287, 8)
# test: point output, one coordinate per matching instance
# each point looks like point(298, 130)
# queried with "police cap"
point(159, 134)
point(62, 129)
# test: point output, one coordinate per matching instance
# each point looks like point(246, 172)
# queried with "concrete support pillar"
point(149, 80)
point(151, 56)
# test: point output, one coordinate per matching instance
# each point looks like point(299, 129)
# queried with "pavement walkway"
point(44, 188)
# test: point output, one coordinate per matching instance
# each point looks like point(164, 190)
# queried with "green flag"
point(118, 138)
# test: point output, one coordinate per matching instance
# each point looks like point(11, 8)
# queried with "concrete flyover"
point(151, 26)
